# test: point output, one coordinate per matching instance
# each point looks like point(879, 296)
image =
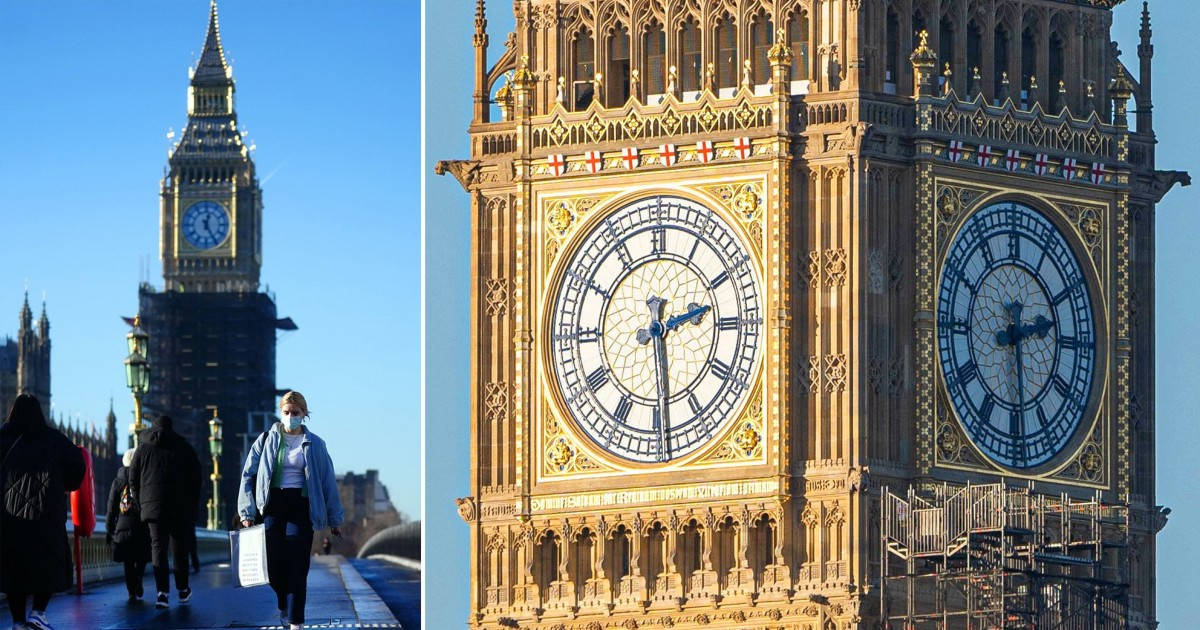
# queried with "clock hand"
point(654, 332)
point(694, 314)
point(1017, 422)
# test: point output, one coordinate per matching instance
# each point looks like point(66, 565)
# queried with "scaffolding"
point(994, 557)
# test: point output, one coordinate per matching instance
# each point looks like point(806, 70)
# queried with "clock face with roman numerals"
point(1016, 335)
point(656, 329)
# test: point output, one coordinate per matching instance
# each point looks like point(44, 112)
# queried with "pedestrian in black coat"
point(38, 467)
point(165, 478)
point(127, 534)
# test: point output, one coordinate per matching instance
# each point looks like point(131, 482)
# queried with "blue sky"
point(330, 96)
point(448, 111)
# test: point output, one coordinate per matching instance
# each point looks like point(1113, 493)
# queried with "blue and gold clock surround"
point(654, 329)
point(205, 225)
point(1018, 336)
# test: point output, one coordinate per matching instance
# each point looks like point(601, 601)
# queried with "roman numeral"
point(587, 335)
point(986, 407)
point(598, 378)
point(1014, 246)
point(727, 323)
point(623, 407)
point(967, 372)
point(1068, 343)
point(720, 369)
point(1061, 386)
point(694, 403)
point(719, 280)
point(658, 240)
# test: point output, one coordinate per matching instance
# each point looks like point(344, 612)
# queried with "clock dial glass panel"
point(656, 329)
point(1016, 335)
point(205, 224)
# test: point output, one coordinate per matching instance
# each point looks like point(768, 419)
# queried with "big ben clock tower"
point(812, 314)
point(211, 329)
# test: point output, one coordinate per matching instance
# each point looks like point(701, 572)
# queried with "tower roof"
point(212, 69)
point(26, 313)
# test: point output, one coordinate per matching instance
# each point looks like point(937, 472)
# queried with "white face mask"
point(291, 423)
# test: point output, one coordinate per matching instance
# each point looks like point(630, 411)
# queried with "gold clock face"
point(656, 329)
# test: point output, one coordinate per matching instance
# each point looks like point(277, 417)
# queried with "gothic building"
point(25, 362)
point(812, 314)
point(211, 329)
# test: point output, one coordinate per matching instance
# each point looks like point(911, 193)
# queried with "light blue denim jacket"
point(324, 504)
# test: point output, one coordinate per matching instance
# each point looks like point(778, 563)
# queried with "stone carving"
point(835, 267)
point(495, 401)
point(496, 293)
point(466, 508)
point(835, 373)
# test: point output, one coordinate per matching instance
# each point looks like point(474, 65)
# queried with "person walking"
point(127, 534)
point(288, 478)
point(165, 479)
point(38, 467)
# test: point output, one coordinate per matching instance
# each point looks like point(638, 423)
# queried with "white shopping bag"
point(248, 551)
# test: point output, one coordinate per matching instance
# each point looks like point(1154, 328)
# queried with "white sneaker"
point(37, 621)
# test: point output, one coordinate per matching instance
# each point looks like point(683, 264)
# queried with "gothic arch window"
point(617, 78)
point(726, 53)
point(762, 37)
point(654, 553)
point(616, 557)
point(945, 46)
point(798, 36)
point(545, 561)
point(974, 53)
point(1000, 63)
point(690, 64)
point(1058, 53)
point(654, 65)
point(1029, 53)
point(690, 548)
point(583, 58)
point(891, 76)
point(582, 558)
point(762, 544)
point(725, 548)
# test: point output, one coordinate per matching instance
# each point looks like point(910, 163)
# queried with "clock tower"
point(211, 208)
point(812, 314)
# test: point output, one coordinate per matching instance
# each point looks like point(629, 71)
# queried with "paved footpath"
point(338, 597)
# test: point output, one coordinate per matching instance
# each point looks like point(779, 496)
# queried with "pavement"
point(338, 597)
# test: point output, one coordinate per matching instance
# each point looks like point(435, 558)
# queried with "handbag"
point(248, 555)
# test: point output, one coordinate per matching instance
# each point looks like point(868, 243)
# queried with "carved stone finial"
point(523, 80)
point(924, 62)
point(780, 53)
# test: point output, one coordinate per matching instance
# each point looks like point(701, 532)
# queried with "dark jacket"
point(128, 534)
point(165, 476)
point(38, 467)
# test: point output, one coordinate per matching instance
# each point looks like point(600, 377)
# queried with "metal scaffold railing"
point(998, 557)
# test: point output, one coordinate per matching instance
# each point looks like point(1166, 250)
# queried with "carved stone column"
point(777, 576)
point(705, 586)
point(597, 591)
point(631, 591)
point(668, 586)
point(560, 597)
point(526, 598)
point(739, 585)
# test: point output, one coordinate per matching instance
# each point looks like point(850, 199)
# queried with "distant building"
point(25, 361)
point(212, 330)
point(364, 497)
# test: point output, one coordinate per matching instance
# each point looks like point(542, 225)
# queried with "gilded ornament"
point(746, 201)
point(560, 454)
point(949, 443)
point(780, 54)
point(560, 217)
point(707, 118)
point(633, 125)
point(747, 439)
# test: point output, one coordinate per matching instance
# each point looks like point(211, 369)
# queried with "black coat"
point(165, 477)
point(39, 467)
point(129, 536)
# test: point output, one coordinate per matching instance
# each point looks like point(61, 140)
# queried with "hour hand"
point(655, 329)
point(695, 313)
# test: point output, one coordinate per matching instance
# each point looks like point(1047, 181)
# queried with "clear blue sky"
point(448, 111)
point(330, 95)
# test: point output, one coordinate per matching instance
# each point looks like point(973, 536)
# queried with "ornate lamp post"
point(137, 373)
point(215, 448)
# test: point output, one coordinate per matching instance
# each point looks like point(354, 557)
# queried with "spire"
point(1145, 105)
point(212, 69)
point(44, 323)
point(26, 314)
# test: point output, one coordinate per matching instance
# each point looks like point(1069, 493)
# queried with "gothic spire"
point(26, 314)
point(43, 323)
point(212, 69)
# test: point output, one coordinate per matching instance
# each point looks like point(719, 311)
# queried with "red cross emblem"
point(1041, 164)
point(558, 164)
point(955, 150)
point(629, 155)
point(1012, 159)
point(594, 161)
point(704, 151)
point(1097, 173)
point(742, 146)
point(1069, 168)
point(985, 154)
point(667, 151)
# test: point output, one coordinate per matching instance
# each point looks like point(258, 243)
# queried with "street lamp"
point(215, 448)
point(137, 373)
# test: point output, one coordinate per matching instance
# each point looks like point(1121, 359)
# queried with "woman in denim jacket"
point(288, 478)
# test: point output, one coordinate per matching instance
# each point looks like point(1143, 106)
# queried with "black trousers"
point(135, 570)
point(16, 604)
point(175, 534)
point(288, 556)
